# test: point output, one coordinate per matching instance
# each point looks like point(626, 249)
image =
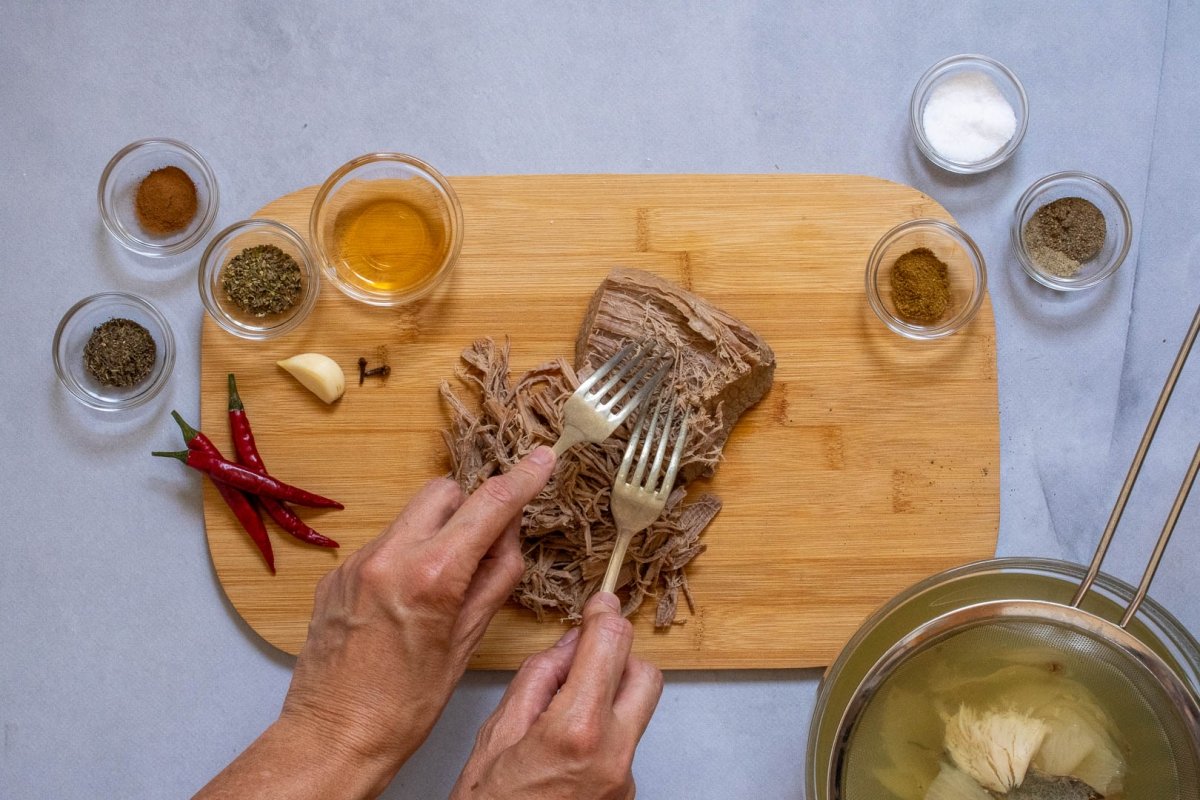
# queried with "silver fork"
point(590, 414)
point(639, 501)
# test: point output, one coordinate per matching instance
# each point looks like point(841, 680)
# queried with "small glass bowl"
point(118, 189)
point(76, 328)
point(1117, 238)
point(387, 191)
point(968, 275)
point(1005, 81)
point(228, 244)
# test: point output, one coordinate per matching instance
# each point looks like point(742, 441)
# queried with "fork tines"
point(647, 476)
point(648, 367)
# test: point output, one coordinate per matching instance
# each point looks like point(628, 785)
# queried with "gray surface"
point(123, 671)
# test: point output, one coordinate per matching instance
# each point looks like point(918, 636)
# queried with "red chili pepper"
point(247, 480)
point(238, 502)
point(247, 453)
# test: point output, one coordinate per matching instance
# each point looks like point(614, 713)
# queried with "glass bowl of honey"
point(387, 228)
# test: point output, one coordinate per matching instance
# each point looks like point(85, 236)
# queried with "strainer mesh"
point(895, 747)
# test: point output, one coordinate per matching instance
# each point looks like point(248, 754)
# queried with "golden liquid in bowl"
point(880, 767)
point(390, 244)
point(1101, 729)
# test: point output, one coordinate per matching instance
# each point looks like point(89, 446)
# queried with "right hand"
point(571, 719)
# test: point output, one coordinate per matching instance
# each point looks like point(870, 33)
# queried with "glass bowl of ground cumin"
point(158, 197)
point(925, 279)
point(258, 279)
point(113, 351)
point(1071, 231)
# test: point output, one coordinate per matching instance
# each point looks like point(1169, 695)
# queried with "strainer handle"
point(1131, 477)
point(1163, 538)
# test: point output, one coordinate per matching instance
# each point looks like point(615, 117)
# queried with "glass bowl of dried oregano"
point(1071, 231)
point(925, 279)
point(258, 279)
point(113, 351)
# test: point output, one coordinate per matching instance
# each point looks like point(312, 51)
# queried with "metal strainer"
point(1125, 670)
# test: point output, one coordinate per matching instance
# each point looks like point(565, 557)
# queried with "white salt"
point(967, 119)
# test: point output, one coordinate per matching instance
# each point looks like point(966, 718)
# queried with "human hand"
point(394, 626)
point(571, 719)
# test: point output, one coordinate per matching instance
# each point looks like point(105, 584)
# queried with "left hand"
point(394, 626)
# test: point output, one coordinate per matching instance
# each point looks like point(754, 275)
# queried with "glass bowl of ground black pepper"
point(258, 279)
point(1071, 231)
point(113, 351)
point(925, 279)
point(158, 197)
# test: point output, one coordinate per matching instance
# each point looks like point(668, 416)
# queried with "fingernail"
point(542, 456)
point(610, 600)
point(568, 637)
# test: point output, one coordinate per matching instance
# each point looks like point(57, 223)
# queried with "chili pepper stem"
point(235, 400)
point(189, 433)
point(179, 454)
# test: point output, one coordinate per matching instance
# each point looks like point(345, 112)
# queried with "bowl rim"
point(209, 268)
point(916, 109)
point(159, 377)
point(1036, 190)
point(448, 194)
point(150, 249)
point(965, 314)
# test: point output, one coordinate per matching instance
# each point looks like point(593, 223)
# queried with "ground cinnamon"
point(166, 201)
point(921, 286)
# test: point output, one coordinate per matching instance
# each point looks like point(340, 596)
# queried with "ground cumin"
point(166, 201)
point(921, 286)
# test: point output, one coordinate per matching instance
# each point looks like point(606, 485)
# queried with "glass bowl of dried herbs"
point(925, 279)
point(158, 197)
point(258, 279)
point(113, 351)
point(1071, 231)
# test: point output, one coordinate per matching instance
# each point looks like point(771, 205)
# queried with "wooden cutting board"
point(872, 463)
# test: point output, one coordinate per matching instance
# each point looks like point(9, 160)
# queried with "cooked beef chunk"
point(722, 367)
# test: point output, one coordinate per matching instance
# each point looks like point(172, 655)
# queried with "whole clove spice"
point(382, 371)
point(1065, 233)
point(921, 286)
point(262, 280)
point(119, 353)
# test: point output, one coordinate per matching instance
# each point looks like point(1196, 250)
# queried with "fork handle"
point(616, 560)
point(569, 437)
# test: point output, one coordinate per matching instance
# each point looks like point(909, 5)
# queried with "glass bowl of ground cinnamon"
point(114, 351)
point(1071, 231)
point(925, 279)
point(158, 197)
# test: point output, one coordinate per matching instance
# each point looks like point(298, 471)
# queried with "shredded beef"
point(722, 367)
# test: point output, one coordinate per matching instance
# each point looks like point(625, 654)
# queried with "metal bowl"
point(918, 617)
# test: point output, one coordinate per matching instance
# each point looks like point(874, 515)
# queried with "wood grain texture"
point(872, 463)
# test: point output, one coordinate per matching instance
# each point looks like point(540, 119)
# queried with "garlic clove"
point(318, 373)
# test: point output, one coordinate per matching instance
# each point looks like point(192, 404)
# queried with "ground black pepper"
point(1063, 234)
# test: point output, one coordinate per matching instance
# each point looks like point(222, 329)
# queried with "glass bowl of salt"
point(968, 114)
